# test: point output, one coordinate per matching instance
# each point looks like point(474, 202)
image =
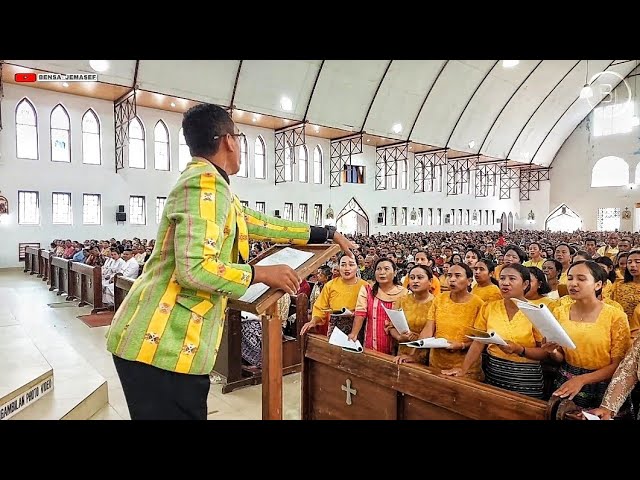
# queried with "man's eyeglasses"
point(239, 134)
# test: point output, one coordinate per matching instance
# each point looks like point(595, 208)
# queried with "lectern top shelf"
point(321, 253)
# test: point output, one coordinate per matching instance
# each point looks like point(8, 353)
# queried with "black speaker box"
point(121, 217)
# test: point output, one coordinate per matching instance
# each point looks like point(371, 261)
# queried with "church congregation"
point(518, 196)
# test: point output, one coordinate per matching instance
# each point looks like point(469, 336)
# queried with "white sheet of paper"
point(339, 338)
point(430, 342)
point(287, 256)
point(590, 416)
point(542, 318)
point(398, 319)
point(492, 339)
point(345, 312)
point(249, 316)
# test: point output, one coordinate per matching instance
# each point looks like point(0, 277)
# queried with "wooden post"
point(272, 364)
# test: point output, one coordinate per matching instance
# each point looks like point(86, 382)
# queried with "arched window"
point(563, 219)
point(161, 146)
point(137, 157)
point(610, 172)
point(26, 130)
point(303, 154)
point(259, 158)
point(60, 135)
point(184, 156)
point(244, 158)
point(317, 165)
point(91, 138)
point(288, 163)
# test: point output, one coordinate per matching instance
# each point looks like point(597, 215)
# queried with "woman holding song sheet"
point(371, 304)
point(450, 315)
point(415, 307)
point(600, 333)
point(339, 293)
point(515, 364)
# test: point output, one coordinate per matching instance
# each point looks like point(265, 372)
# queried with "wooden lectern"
point(266, 308)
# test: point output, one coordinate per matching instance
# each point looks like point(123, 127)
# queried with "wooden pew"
point(59, 275)
point(343, 385)
point(122, 285)
point(45, 258)
point(85, 284)
point(229, 361)
point(31, 260)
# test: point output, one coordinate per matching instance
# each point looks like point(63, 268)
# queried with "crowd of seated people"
point(125, 258)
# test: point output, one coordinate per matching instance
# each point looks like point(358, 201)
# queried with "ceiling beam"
point(375, 94)
point(468, 102)
point(539, 105)
point(235, 86)
point(313, 89)
point(425, 98)
point(505, 105)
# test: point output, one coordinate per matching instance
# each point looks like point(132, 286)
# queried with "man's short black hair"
point(203, 122)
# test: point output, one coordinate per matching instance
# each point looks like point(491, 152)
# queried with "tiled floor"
point(25, 298)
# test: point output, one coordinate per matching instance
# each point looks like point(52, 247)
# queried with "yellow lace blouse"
point(450, 320)
point(627, 295)
point(598, 343)
point(416, 314)
point(488, 293)
point(519, 330)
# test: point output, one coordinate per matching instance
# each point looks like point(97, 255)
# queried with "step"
point(25, 375)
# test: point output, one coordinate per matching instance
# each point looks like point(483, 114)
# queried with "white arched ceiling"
point(489, 100)
point(263, 83)
point(447, 100)
point(344, 92)
point(552, 109)
point(524, 104)
point(168, 76)
point(400, 97)
point(530, 108)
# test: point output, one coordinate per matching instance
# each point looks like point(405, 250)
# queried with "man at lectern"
point(165, 336)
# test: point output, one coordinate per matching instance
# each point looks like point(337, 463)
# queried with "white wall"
point(46, 177)
point(571, 173)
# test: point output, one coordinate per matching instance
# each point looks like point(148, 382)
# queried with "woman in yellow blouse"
point(607, 264)
point(515, 366)
point(486, 286)
point(539, 288)
point(513, 254)
point(341, 292)
point(416, 307)
point(422, 258)
point(621, 265)
point(444, 284)
point(552, 270)
point(449, 317)
point(563, 255)
point(627, 292)
point(600, 333)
